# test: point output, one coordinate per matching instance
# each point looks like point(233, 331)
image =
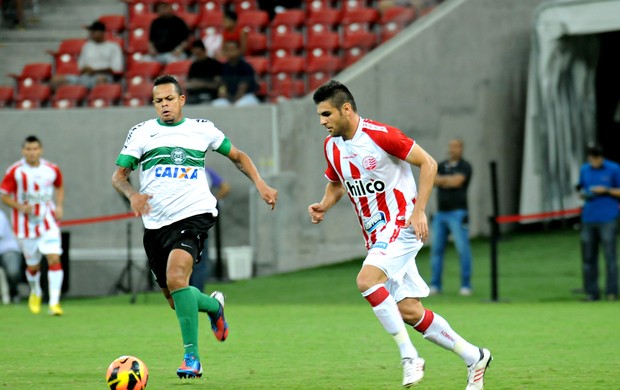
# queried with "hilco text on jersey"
point(357, 188)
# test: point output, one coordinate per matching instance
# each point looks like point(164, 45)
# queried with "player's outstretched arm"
point(244, 163)
point(333, 193)
point(428, 169)
point(139, 202)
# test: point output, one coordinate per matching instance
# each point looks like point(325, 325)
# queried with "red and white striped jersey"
point(35, 186)
point(379, 182)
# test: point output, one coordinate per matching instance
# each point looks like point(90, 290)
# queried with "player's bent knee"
point(411, 310)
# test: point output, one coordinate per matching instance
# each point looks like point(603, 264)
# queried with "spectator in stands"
point(452, 217)
point(204, 76)
point(599, 186)
point(234, 32)
point(239, 79)
point(272, 7)
point(99, 60)
point(13, 13)
point(10, 256)
point(169, 36)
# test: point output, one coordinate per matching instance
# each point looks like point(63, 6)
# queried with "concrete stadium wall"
point(459, 72)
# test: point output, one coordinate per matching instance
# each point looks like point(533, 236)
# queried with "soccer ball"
point(127, 373)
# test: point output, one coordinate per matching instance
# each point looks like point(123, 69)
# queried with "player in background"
point(177, 206)
point(370, 162)
point(29, 187)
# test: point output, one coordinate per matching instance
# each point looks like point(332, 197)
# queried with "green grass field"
point(312, 330)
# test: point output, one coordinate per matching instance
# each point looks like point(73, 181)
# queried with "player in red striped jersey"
point(29, 188)
point(370, 162)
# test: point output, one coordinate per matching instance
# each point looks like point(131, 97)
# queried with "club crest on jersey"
point(373, 222)
point(369, 163)
point(357, 188)
point(177, 172)
point(178, 156)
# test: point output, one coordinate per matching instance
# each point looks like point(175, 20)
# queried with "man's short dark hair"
point(168, 79)
point(31, 139)
point(336, 93)
point(594, 150)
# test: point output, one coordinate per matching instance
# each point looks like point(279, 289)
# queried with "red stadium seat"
point(286, 88)
point(68, 50)
point(327, 41)
point(104, 95)
point(256, 43)
point(364, 16)
point(6, 96)
point(68, 96)
point(253, 20)
point(244, 5)
point(353, 4)
point(139, 72)
point(211, 19)
point(401, 15)
point(33, 74)
point(362, 39)
point(139, 25)
point(286, 44)
point(65, 68)
point(138, 95)
point(317, 5)
point(139, 7)
point(179, 69)
point(291, 19)
point(208, 6)
point(326, 64)
point(353, 55)
point(191, 19)
point(138, 44)
point(114, 24)
point(287, 66)
point(315, 80)
point(33, 96)
point(327, 18)
point(259, 63)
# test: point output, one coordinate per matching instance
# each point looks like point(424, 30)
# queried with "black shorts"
point(187, 234)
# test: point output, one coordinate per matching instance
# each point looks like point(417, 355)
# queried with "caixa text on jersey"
point(177, 172)
point(358, 188)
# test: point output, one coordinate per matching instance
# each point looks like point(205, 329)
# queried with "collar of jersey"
point(172, 125)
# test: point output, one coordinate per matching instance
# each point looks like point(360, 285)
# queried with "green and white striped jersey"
point(171, 159)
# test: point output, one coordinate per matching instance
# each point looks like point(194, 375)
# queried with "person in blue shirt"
point(200, 273)
point(599, 186)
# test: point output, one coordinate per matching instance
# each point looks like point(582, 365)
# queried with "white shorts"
point(397, 260)
point(48, 244)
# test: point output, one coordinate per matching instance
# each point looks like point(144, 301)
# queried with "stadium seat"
point(259, 63)
point(253, 20)
point(287, 66)
point(327, 41)
point(327, 18)
point(34, 96)
point(363, 16)
point(139, 7)
point(137, 47)
point(393, 20)
point(179, 69)
point(362, 39)
point(244, 5)
point(208, 6)
point(138, 95)
point(256, 43)
point(140, 24)
point(139, 72)
point(31, 74)
point(286, 44)
point(104, 95)
point(317, 79)
point(6, 96)
point(66, 68)
point(286, 88)
point(352, 55)
point(291, 19)
point(114, 24)
point(211, 19)
point(326, 64)
point(191, 19)
point(68, 50)
point(68, 96)
point(353, 4)
point(313, 6)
